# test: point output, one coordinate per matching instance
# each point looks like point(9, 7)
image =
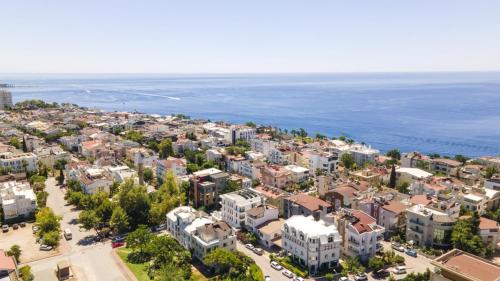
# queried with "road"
point(263, 262)
point(89, 260)
point(418, 264)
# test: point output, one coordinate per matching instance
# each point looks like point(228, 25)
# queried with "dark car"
point(15, 226)
point(117, 244)
point(381, 274)
point(411, 252)
point(22, 224)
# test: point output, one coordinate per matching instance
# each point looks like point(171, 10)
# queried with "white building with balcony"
point(236, 204)
point(17, 199)
point(312, 243)
point(362, 234)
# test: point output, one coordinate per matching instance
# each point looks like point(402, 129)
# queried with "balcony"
point(380, 237)
point(416, 222)
point(353, 242)
point(379, 247)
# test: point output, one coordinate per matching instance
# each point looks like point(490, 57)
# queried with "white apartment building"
point(325, 161)
point(362, 154)
point(474, 202)
point(16, 162)
point(263, 146)
point(183, 221)
point(428, 227)
point(239, 132)
point(314, 244)
point(298, 173)
point(50, 155)
point(362, 234)
point(236, 204)
point(17, 199)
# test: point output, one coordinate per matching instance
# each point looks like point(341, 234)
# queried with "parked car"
point(117, 244)
point(44, 247)
point(398, 247)
point(258, 251)
point(400, 270)
point(267, 278)
point(35, 229)
point(15, 226)
point(298, 279)
point(22, 224)
point(249, 246)
point(5, 228)
point(161, 226)
point(381, 274)
point(343, 278)
point(361, 277)
point(276, 265)
point(287, 273)
point(67, 234)
point(411, 252)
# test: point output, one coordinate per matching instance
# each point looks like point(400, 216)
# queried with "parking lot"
point(24, 237)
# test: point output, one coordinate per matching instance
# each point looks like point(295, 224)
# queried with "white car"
point(249, 246)
point(267, 278)
point(287, 273)
point(344, 278)
point(258, 251)
point(298, 279)
point(400, 270)
point(276, 265)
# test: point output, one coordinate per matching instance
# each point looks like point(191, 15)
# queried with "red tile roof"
point(363, 222)
point(309, 202)
point(6, 262)
point(486, 223)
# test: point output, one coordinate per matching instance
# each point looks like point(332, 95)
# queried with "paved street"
point(263, 262)
point(90, 261)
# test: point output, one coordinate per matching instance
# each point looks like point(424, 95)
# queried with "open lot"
point(25, 238)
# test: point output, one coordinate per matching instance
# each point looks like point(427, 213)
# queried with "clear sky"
point(212, 36)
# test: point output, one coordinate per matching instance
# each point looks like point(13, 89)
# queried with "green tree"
point(392, 178)
point(41, 198)
point(139, 239)
point(394, 154)
point(464, 237)
point(376, 263)
point(461, 158)
point(251, 124)
point(347, 160)
point(165, 148)
point(119, 221)
point(51, 238)
point(148, 175)
point(60, 165)
point(88, 219)
point(168, 253)
point(15, 251)
point(225, 262)
point(134, 136)
point(49, 226)
point(135, 201)
point(104, 211)
point(490, 171)
point(15, 142)
point(26, 274)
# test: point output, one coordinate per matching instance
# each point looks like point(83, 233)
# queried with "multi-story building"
point(389, 212)
point(180, 220)
point(236, 204)
point(275, 175)
point(457, 265)
point(474, 202)
point(176, 165)
point(91, 179)
point(206, 185)
point(211, 236)
point(51, 155)
point(489, 231)
point(32, 142)
point(17, 199)
point(8, 267)
point(297, 173)
point(443, 165)
point(263, 145)
point(259, 215)
point(305, 205)
point(239, 132)
point(428, 227)
point(18, 162)
point(5, 99)
point(325, 161)
point(361, 234)
point(493, 183)
point(312, 243)
point(362, 154)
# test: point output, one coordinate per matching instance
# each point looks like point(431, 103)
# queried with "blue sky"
point(212, 36)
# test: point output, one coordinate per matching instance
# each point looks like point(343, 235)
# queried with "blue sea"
point(446, 113)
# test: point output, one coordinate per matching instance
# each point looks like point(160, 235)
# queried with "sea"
point(445, 113)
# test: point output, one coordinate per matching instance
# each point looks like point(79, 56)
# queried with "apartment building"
point(305, 205)
point(206, 185)
point(176, 165)
point(17, 199)
point(361, 234)
point(239, 132)
point(362, 154)
point(259, 215)
point(443, 165)
point(51, 155)
point(236, 204)
point(211, 236)
point(91, 179)
point(276, 176)
point(312, 243)
point(457, 265)
point(428, 227)
point(324, 161)
point(183, 221)
point(489, 231)
point(298, 174)
point(18, 162)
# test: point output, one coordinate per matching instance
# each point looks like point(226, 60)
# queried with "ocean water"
point(446, 113)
